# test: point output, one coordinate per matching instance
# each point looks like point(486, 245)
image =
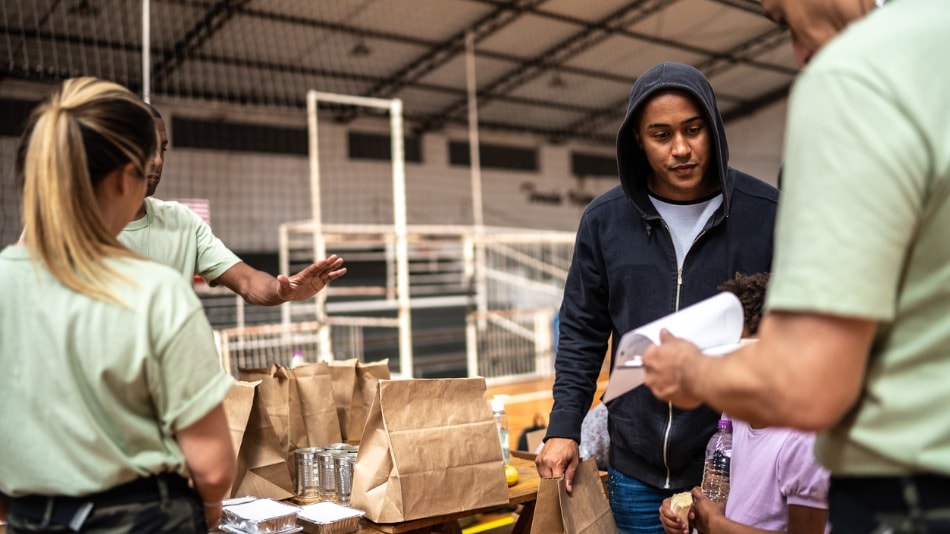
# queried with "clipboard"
point(714, 325)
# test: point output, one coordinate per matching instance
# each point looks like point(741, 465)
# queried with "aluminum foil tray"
point(328, 518)
point(261, 516)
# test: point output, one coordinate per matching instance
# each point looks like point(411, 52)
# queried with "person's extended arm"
point(206, 445)
point(806, 520)
point(710, 519)
point(805, 371)
point(583, 333)
point(258, 287)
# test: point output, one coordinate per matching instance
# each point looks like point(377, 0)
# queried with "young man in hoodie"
point(680, 222)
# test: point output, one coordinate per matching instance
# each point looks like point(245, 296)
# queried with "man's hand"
point(212, 514)
point(666, 365)
point(311, 280)
point(559, 457)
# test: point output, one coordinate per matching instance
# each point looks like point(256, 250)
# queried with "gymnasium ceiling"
point(561, 69)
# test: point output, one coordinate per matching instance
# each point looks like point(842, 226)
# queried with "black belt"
point(73, 511)
point(896, 493)
point(913, 504)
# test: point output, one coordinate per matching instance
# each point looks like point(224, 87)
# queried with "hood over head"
point(632, 160)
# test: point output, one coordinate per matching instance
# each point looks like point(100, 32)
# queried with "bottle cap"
point(297, 359)
point(725, 424)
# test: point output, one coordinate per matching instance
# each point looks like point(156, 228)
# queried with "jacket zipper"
point(669, 405)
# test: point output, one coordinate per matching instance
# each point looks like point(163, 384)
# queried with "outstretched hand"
point(311, 280)
point(666, 364)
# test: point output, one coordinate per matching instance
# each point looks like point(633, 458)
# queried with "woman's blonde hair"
point(85, 130)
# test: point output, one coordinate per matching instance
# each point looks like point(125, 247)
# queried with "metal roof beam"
point(442, 53)
point(215, 17)
point(560, 52)
point(764, 42)
point(751, 106)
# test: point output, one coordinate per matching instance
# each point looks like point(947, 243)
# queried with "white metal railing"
point(261, 346)
point(511, 335)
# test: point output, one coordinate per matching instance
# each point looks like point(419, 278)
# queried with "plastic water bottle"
point(501, 422)
point(718, 458)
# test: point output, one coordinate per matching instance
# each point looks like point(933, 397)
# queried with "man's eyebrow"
point(664, 125)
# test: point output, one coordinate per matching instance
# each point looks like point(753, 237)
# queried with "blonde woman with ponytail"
point(110, 390)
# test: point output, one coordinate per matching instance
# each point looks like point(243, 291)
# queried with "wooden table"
point(525, 493)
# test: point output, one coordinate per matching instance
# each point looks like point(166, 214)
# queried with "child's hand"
point(671, 521)
point(706, 513)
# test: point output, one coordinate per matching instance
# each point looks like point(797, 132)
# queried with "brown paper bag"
point(261, 466)
point(343, 373)
point(237, 408)
point(586, 509)
point(354, 384)
point(368, 376)
point(429, 448)
point(312, 411)
point(274, 390)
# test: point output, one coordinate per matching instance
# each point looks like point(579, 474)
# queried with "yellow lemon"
point(511, 473)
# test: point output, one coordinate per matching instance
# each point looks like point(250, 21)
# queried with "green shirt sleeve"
point(851, 197)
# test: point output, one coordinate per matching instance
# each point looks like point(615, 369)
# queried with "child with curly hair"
point(776, 485)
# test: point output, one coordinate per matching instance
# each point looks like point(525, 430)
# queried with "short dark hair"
point(154, 111)
point(750, 288)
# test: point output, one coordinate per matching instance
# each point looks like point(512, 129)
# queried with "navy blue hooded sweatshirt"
point(624, 274)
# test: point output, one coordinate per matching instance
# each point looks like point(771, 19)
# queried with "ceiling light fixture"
point(360, 49)
point(84, 8)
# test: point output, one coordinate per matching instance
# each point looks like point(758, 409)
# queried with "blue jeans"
point(635, 505)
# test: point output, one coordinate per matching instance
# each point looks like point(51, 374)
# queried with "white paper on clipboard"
point(714, 325)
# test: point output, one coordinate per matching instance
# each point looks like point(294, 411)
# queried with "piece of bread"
point(680, 503)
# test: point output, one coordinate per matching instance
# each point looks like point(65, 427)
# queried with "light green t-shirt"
point(864, 228)
point(173, 235)
point(92, 392)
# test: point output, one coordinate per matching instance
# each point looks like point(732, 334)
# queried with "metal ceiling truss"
point(48, 74)
point(554, 56)
point(741, 54)
point(213, 20)
point(746, 53)
point(439, 53)
point(616, 23)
